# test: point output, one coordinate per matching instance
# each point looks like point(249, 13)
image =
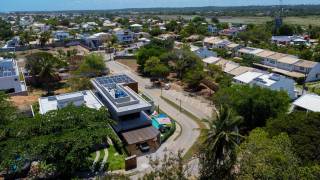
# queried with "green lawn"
point(115, 160)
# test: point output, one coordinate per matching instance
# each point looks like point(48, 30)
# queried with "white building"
point(267, 80)
point(80, 98)
point(124, 36)
point(289, 65)
point(10, 81)
point(308, 102)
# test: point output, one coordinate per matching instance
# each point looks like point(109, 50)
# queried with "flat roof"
point(277, 56)
point(250, 50)
point(306, 64)
point(230, 66)
point(247, 77)
point(86, 98)
point(140, 135)
point(118, 96)
point(289, 59)
point(240, 70)
point(211, 60)
point(309, 102)
point(265, 53)
point(266, 79)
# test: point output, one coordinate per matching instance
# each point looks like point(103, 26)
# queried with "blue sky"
point(40, 5)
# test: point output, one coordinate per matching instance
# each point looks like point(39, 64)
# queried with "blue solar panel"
point(110, 81)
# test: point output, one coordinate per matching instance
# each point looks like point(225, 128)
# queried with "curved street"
point(179, 141)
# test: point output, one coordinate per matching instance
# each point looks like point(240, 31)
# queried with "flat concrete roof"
point(86, 98)
point(306, 64)
point(247, 77)
point(265, 53)
point(289, 60)
point(309, 102)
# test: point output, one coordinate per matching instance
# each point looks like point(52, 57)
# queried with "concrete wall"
point(11, 82)
point(314, 74)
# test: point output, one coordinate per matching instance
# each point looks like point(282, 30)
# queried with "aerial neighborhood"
point(198, 93)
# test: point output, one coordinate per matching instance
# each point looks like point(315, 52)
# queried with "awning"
point(140, 135)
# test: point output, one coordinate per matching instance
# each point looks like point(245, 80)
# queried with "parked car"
point(144, 147)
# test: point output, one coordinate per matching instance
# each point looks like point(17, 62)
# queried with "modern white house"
point(267, 80)
point(86, 98)
point(10, 81)
point(129, 109)
point(96, 40)
point(308, 102)
point(124, 36)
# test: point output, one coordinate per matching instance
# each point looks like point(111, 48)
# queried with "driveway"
point(189, 129)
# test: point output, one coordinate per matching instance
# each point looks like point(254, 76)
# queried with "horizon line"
point(117, 9)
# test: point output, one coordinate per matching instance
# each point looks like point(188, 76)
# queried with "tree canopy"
point(261, 157)
point(303, 129)
point(254, 103)
point(62, 138)
point(43, 65)
point(93, 65)
point(155, 68)
point(5, 30)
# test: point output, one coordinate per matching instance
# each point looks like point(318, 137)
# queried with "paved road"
point(189, 129)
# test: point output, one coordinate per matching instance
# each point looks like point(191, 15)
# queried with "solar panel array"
point(111, 81)
point(7, 68)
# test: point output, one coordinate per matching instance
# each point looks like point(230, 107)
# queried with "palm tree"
point(217, 153)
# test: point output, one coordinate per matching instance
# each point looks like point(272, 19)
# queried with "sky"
point(50, 5)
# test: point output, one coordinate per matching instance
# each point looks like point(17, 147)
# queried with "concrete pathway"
point(105, 158)
point(96, 159)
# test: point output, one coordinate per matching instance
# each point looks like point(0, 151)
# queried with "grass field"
point(304, 21)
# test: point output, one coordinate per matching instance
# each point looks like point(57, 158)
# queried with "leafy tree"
point(92, 66)
point(42, 66)
point(286, 30)
point(63, 138)
point(44, 38)
point(217, 154)
point(25, 37)
point(194, 77)
point(171, 167)
point(173, 26)
point(253, 103)
point(155, 68)
point(261, 157)
point(303, 129)
point(155, 31)
point(79, 83)
point(215, 20)
point(7, 113)
point(184, 60)
point(198, 19)
point(5, 30)
point(255, 34)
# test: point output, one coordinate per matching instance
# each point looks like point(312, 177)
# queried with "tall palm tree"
point(217, 153)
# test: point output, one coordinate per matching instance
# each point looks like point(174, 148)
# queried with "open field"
point(304, 21)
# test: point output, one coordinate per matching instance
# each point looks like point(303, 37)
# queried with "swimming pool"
point(155, 123)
